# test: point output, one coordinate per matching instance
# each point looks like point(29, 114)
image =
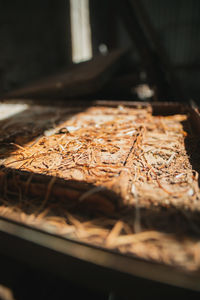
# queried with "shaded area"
point(192, 140)
point(79, 80)
point(34, 40)
point(30, 282)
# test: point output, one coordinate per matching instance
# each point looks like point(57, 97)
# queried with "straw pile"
point(119, 178)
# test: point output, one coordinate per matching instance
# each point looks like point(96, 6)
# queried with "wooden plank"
point(82, 79)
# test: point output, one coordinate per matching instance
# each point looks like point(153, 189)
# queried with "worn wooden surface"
point(80, 80)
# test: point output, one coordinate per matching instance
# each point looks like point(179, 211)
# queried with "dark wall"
point(35, 37)
point(178, 26)
point(102, 20)
point(33, 40)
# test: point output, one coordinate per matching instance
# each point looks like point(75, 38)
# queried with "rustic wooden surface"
point(79, 80)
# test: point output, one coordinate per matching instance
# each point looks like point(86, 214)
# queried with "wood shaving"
point(116, 177)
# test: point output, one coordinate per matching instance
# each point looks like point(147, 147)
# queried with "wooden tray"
point(130, 211)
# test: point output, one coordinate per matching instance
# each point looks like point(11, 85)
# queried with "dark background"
point(35, 38)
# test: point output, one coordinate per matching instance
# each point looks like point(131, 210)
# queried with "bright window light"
point(80, 30)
